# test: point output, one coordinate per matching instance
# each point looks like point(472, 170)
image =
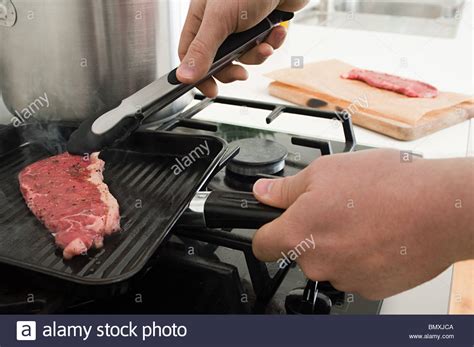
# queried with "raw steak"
point(68, 195)
point(411, 88)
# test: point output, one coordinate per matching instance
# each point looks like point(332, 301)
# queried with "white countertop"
point(445, 63)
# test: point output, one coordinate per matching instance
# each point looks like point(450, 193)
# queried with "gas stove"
point(199, 271)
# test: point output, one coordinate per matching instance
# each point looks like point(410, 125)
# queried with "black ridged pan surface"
point(141, 174)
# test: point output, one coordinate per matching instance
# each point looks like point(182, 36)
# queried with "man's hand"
point(380, 225)
point(210, 22)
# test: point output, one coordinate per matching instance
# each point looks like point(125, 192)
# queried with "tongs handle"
point(118, 123)
point(239, 43)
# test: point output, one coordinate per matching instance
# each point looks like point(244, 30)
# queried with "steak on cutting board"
point(407, 87)
point(68, 195)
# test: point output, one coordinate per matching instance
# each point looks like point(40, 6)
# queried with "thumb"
point(203, 47)
point(281, 192)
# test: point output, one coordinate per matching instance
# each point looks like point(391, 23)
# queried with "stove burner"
point(239, 182)
point(257, 156)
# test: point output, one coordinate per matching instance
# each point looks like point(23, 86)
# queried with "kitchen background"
point(427, 40)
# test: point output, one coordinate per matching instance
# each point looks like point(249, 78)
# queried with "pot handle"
point(8, 14)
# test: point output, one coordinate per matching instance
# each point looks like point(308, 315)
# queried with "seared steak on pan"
point(68, 195)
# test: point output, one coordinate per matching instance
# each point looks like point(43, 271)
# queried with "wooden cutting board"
point(462, 288)
point(429, 124)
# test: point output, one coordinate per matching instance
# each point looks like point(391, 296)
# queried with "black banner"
point(143, 330)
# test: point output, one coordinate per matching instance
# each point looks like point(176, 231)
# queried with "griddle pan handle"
point(227, 210)
point(118, 123)
point(237, 210)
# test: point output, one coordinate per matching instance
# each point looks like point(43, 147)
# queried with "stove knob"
point(337, 297)
point(295, 303)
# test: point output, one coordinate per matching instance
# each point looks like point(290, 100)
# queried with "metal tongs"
point(117, 124)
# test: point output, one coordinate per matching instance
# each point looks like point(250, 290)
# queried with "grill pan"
point(139, 175)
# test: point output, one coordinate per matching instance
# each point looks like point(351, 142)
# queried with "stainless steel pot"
point(69, 60)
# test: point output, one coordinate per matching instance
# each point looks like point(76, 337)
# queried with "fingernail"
point(186, 70)
point(263, 187)
point(266, 51)
point(269, 53)
point(281, 34)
